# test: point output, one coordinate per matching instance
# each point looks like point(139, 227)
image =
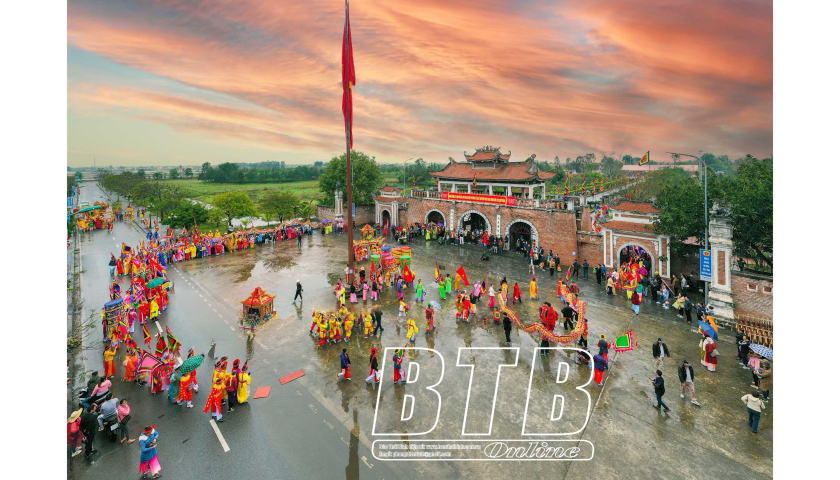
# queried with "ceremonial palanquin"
point(257, 309)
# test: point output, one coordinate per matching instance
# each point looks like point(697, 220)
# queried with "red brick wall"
point(364, 213)
point(590, 247)
point(721, 263)
point(557, 229)
point(751, 296)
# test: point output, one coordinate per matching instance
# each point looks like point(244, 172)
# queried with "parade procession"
point(412, 239)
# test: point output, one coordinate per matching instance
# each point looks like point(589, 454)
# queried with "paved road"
point(291, 434)
point(304, 428)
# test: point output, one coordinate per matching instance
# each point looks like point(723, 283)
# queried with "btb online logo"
point(496, 407)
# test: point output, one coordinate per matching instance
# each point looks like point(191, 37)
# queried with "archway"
point(518, 229)
point(436, 217)
point(385, 220)
point(635, 251)
point(474, 220)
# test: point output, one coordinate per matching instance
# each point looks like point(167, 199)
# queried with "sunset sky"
point(173, 82)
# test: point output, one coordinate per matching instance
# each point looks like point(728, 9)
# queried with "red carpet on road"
point(288, 378)
point(262, 392)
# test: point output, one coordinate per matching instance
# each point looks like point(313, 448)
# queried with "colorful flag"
point(413, 179)
point(625, 343)
point(147, 337)
point(645, 158)
point(463, 274)
point(348, 76)
point(147, 362)
point(160, 348)
point(126, 248)
point(474, 180)
point(173, 343)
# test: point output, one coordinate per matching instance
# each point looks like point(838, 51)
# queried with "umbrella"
point(708, 329)
point(435, 305)
point(156, 282)
point(88, 209)
point(191, 364)
point(440, 224)
point(325, 221)
point(296, 224)
point(760, 349)
point(340, 220)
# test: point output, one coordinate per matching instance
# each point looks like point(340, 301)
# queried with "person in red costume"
point(214, 401)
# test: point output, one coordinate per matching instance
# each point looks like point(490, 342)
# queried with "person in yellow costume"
point(155, 308)
point(218, 235)
point(533, 289)
point(335, 329)
point(243, 389)
point(323, 326)
point(412, 329)
point(457, 281)
point(348, 326)
point(342, 312)
point(368, 324)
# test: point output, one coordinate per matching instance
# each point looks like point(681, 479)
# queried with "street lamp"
point(410, 159)
point(705, 211)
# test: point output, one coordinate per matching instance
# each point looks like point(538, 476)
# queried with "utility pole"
point(705, 212)
point(349, 223)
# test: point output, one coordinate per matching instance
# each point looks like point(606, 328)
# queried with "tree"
point(188, 172)
point(206, 170)
point(187, 214)
point(305, 209)
point(215, 216)
point(282, 164)
point(750, 196)
point(141, 173)
point(610, 166)
point(234, 205)
point(281, 204)
point(173, 174)
point(157, 176)
point(650, 189)
point(627, 159)
point(366, 177)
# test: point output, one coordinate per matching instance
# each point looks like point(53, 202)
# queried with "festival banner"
point(478, 198)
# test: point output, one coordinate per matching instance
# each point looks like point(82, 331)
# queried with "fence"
point(759, 329)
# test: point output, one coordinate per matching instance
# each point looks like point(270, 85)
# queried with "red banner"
point(474, 197)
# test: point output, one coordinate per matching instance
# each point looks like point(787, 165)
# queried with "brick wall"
point(753, 294)
point(590, 247)
point(364, 213)
point(557, 230)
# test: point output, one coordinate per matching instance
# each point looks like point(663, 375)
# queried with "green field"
point(199, 190)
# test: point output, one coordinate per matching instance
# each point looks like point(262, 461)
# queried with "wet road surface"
point(317, 427)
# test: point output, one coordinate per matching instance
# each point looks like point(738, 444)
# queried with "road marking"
point(206, 299)
point(226, 319)
point(159, 329)
point(261, 343)
point(219, 436)
point(331, 427)
point(202, 296)
point(312, 407)
point(342, 438)
point(220, 315)
point(364, 459)
point(214, 308)
point(232, 329)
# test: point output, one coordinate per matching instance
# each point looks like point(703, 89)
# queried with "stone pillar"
point(339, 201)
point(453, 189)
point(469, 188)
point(543, 191)
point(720, 288)
point(509, 191)
point(531, 192)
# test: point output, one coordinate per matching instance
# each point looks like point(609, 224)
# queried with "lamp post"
point(410, 159)
point(705, 211)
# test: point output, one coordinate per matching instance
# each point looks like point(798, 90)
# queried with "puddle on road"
point(278, 262)
point(243, 272)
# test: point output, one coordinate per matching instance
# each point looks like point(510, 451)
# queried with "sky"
point(172, 82)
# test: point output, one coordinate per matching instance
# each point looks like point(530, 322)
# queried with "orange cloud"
point(435, 77)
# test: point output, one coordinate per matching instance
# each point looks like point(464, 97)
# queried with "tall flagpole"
point(349, 222)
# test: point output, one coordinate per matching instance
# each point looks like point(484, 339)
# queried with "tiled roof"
point(635, 207)
point(387, 199)
point(502, 172)
point(485, 156)
point(388, 188)
point(628, 226)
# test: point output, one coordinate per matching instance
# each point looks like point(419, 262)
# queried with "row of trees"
point(746, 195)
point(265, 172)
point(169, 202)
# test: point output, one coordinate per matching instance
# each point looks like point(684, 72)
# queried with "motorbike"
point(83, 397)
point(111, 425)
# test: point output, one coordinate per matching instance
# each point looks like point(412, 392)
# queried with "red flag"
point(348, 76)
point(463, 274)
